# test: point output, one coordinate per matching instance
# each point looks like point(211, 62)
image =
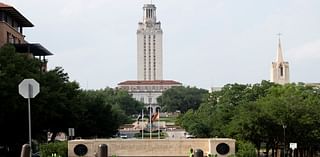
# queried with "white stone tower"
point(149, 44)
point(280, 68)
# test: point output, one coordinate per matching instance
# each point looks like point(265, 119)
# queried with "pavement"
point(176, 134)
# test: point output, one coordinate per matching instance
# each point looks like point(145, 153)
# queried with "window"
point(142, 99)
point(8, 37)
point(5, 18)
point(281, 70)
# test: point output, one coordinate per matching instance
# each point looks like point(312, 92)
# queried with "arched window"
point(281, 70)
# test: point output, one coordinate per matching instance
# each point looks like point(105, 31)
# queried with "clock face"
point(149, 24)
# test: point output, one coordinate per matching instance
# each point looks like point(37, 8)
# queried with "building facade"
point(12, 23)
point(149, 45)
point(149, 84)
point(280, 68)
point(147, 92)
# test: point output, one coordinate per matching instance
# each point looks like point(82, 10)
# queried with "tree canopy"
point(60, 105)
point(181, 98)
point(258, 113)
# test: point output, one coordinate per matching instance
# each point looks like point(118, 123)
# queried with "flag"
point(139, 117)
point(155, 116)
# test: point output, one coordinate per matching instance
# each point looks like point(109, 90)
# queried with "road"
point(176, 134)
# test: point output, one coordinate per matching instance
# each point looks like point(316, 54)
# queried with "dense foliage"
point(258, 113)
point(58, 149)
point(181, 98)
point(245, 149)
point(60, 105)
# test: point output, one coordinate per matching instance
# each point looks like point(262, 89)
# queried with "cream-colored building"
point(280, 68)
point(147, 92)
point(150, 84)
point(149, 44)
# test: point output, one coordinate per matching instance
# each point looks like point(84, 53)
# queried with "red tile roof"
point(2, 5)
point(150, 82)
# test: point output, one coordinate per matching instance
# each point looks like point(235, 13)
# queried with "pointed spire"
point(279, 51)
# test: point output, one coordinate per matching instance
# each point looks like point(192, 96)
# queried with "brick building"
point(12, 23)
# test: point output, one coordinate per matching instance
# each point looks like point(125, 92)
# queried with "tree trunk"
point(267, 149)
point(301, 152)
point(272, 151)
point(258, 147)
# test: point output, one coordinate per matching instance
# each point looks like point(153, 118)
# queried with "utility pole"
point(284, 139)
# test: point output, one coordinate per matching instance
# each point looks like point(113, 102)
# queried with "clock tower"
point(149, 45)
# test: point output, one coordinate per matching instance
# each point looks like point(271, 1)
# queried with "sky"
point(206, 43)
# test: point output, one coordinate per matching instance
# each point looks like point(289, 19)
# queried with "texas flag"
point(155, 116)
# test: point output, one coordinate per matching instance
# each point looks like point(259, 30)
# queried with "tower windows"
point(150, 31)
point(281, 70)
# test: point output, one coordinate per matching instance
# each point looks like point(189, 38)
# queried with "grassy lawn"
point(168, 119)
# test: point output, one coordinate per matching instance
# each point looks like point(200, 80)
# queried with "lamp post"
point(284, 139)
point(150, 124)
point(150, 113)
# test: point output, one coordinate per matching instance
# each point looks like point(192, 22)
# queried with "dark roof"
point(150, 82)
point(36, 49)
point(24, 22)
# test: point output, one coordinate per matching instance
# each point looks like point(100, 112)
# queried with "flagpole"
point(150, 121)
point(159, 123)
point(142, 125)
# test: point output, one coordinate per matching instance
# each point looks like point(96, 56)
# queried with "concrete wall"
point(153, 147)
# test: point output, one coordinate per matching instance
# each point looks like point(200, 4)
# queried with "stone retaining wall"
point(152, 147)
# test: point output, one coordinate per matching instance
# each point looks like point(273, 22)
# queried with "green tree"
point(121, 101)
point(296, 107)
point(14, 68)
point(59, 105)
point(95, 117)
point(245, 149)
point(52, 109)
point(257, 113)
point(182, 98)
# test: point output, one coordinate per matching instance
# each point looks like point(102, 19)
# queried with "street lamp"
point(150, 113)
point(284, 139)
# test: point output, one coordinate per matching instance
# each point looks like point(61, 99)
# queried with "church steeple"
point(280, 68)
point(279, 51)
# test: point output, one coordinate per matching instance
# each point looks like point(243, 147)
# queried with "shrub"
point(58, 148)
point(245, 149)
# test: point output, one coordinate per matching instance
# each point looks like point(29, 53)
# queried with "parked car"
point(124, 136)
point(190, 136)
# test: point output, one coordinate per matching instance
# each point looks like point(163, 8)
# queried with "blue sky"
point(207, 43)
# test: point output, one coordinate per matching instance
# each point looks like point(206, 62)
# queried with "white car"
point(123, 136)
point(190, 136)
